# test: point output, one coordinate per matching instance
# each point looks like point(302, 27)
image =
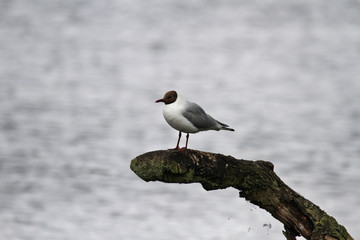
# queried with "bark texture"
point(256, 181)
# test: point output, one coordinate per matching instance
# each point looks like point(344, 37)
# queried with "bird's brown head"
point(168, 98)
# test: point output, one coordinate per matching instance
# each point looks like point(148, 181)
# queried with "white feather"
point(174, 117)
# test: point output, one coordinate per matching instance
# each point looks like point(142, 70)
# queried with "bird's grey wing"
point(198, 117)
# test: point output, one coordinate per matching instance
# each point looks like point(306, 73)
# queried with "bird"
point(187, 117)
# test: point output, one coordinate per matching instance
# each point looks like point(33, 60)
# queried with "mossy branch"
point(256, 181)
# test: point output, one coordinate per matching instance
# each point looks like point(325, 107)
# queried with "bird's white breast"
point(174, 117)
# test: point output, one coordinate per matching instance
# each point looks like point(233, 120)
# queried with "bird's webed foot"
point(183, 150)
point(177, 148)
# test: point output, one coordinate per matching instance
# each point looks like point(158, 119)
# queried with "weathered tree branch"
point(256, 181)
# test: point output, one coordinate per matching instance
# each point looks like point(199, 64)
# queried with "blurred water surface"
point(78, 81)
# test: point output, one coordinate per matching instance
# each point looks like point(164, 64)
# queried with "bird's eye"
point(170, 96)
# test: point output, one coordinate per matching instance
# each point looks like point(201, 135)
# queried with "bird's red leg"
point(185, 148)
point(177, 145)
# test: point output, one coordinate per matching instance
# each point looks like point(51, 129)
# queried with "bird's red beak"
point(160, 100)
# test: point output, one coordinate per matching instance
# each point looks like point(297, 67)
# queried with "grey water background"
point(78, 81)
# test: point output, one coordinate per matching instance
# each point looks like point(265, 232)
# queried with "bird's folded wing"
point(198, 117)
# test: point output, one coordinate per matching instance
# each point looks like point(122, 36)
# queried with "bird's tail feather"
point(225, 127)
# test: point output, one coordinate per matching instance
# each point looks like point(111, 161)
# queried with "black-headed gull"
point(187, 117)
